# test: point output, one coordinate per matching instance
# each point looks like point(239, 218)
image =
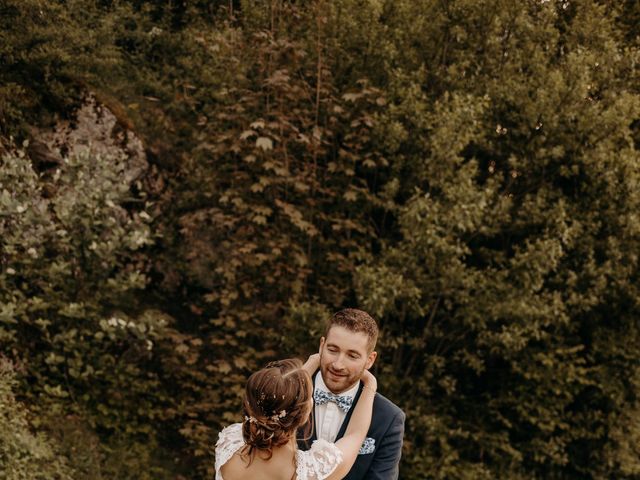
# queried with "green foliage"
point(24, 455)
point(70, 262)
point(49, 52)
point(513, 291)
point(467, 171)
point(270, 205)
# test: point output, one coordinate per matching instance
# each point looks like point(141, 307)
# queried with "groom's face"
point(344, 355)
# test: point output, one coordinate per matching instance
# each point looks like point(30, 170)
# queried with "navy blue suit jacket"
point(386, 430)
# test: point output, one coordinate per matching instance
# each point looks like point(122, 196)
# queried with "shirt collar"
point(348, 393)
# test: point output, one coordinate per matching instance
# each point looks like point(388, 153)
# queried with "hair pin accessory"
point(278, 416)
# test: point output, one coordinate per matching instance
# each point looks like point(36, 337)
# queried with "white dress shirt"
point(329, 417)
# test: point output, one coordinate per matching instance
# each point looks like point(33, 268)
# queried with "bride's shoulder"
point(229, 442)
point(233, 430)
point(230, 435)
point(319, 461)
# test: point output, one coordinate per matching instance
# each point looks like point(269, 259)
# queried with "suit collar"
point(314, 433)
point(343, 427)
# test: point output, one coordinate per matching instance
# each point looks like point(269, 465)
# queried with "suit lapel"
point(305, 443)
point(314, 433)
point(345, 423)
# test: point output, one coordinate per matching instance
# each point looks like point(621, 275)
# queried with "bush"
point(71, 241)
point(24, 455)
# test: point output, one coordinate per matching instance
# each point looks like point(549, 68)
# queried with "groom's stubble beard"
point(344, 383)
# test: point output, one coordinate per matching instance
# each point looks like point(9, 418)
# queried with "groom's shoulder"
point(383, 406)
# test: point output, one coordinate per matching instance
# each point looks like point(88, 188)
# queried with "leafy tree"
point(275, 188)
point(465, 170)
point(509, 303)
point(70, 263)
point(50, 52)
point(24, 454)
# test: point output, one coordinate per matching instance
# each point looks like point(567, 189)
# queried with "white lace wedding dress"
point(316, 464)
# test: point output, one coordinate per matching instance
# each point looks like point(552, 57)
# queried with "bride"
point(278, 401)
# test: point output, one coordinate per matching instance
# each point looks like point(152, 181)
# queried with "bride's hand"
point(312, 364)
point(369, 380)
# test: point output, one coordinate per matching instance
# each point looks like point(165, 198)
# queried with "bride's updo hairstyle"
point(276, 403)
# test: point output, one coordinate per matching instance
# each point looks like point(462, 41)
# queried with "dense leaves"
point(466, 171)
point(24, 454)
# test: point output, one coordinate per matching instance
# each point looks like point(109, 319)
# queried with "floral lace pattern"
point(316, 464)
point(319, 462)
point(229, 442)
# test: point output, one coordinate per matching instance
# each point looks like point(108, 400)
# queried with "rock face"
point(94, 130)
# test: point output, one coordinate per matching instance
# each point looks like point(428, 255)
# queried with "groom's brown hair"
point(355, 320)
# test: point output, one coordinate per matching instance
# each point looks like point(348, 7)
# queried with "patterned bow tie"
point(321, 397)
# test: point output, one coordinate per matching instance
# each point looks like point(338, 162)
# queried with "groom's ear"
point(322, 340)
point(370, 359)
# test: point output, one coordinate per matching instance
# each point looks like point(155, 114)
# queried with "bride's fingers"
point(312, 363)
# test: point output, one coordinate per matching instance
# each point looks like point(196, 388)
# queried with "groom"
point(346, 350)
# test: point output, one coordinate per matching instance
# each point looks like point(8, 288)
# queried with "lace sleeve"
point(229, 442)
point(319, 462)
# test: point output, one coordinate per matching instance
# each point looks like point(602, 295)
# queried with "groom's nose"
point(337, 365)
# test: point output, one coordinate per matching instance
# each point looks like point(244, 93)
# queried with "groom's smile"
point(344, 356)
point(337, 377)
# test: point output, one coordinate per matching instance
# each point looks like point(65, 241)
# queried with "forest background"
point(467, 171)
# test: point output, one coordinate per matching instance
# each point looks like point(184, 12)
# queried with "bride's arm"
point(358, 426)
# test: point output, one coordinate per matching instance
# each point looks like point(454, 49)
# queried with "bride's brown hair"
point(276, 403)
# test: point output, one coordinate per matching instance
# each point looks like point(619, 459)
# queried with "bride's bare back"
point(281, 466)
